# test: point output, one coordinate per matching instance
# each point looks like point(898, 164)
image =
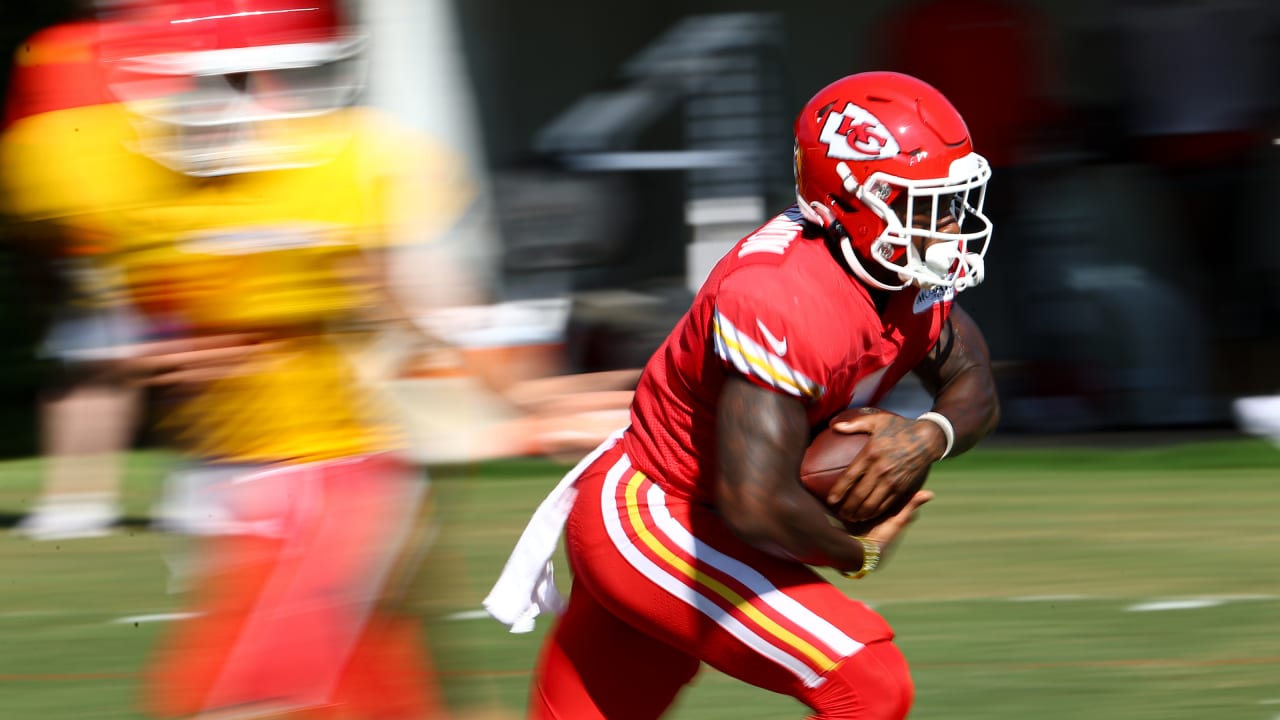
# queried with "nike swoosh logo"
point(779, 346)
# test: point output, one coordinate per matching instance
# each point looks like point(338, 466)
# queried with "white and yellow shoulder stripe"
point(755, 360)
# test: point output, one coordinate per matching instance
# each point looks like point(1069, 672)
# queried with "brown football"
point(823, 463)
point(827, 457)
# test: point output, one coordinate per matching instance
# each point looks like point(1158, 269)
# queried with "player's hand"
point(889, 470)
point(889, 530)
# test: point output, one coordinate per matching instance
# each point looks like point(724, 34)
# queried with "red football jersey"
point(780, 310)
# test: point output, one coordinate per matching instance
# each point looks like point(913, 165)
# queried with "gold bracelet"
point(870, 558)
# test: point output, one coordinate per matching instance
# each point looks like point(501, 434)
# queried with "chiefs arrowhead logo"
point(856, 134)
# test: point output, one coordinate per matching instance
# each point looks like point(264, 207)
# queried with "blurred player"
point(689, 534)
point(87, 414)
point(246, 199)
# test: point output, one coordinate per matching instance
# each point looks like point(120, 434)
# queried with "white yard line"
point(154, 617)
point(1181, 604)
point(1192, 603)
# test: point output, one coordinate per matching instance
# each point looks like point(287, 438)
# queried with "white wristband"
point(947, 429)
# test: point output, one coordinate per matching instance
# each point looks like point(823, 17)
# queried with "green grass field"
point(1105, 584)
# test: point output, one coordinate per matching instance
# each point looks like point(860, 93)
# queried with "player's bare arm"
point(762, 438)
point(957, 373)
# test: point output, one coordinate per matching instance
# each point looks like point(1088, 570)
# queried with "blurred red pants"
point(286, 610)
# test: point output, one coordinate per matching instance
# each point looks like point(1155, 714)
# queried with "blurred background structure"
point(618, 150)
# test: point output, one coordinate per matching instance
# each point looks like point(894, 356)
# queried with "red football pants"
point(287, 615)
point(661, 585)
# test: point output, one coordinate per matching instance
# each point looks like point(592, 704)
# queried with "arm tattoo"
point(763, 435)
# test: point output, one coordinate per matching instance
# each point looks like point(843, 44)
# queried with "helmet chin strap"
point(975, 272)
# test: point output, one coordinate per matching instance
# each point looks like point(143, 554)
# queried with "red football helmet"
point(877, 151)
point(216, 83)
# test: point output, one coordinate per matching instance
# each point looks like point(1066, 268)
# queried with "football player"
point(689, 535)
point(87, 413)
point(244, 196)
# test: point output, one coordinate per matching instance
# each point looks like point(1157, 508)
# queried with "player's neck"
point(880, 298)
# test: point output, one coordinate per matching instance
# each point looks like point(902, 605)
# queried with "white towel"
point(527, 585)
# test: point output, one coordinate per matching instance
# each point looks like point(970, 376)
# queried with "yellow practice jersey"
point(282, 252)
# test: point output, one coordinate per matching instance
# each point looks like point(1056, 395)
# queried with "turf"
point(1017, 595)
